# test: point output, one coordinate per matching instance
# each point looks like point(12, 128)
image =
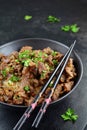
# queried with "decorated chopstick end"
point(48, 100)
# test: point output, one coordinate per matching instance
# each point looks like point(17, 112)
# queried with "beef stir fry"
point(23, 73)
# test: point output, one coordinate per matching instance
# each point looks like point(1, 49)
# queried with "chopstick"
point(47, 100)
point(29, 110)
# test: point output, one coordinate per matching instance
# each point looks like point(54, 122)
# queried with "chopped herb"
point(26, 62)
point(24, 54)
point(32, 54)
point(65, 28)
point(17, 60)
point(45, 55)
point(54, 53)
point(73, 28)
point(10, 82)
point(4, 73)
point(14, 78)
point(27, 17)
point(55, 62)
point(43, 73)
point(37, 59)
point(51, 83)
point(52, 19)
point(40, 54)
point(26, 88)
point(69, 115)
point(51, 68)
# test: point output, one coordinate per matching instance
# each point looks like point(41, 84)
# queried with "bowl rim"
point(55, 42)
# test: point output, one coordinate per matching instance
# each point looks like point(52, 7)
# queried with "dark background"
point(13, 27)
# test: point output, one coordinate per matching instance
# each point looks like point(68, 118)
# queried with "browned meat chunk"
point(26, 48)
point(1, 92)
point(8, 93)
point(17, 99)
point(29, 101)
point(41, 67)
point(63, 78)
point(49, 59)
point(68, 86)
point(57, 92)
point(47, 50)
point(70, 70)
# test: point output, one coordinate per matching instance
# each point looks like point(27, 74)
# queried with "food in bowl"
point(23, 73)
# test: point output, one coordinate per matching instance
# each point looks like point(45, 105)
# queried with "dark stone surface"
point(13, 26)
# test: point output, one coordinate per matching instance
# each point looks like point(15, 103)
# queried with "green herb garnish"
point(73, 28)
point(17, 60)
point(54, 53)
point(69, 115)
point(51, 68)
point(51, 84)
point(43, 74)
point(45, 55)
point(24, 54)
point(27, 17)
point(52, 19)
point(55, 62)
point(26, 88)
point(38, 59)
point(4, 73)
point(26, 62)
point(14, 78)
point(40, 54)
point(10, 82)
point(65, 28)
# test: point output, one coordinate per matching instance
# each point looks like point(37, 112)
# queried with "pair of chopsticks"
point(47, 101)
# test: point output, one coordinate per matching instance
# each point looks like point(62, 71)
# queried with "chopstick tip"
point(74, 41)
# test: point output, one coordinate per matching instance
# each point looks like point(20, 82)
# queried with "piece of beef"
point(70, 69)
point(49, 60)
point(29, 101)
point(41, 67)
point(63, 78)
point(48, 50)
point(25, 48)
point(57, 92)
point(18, 99)
point(68, 86)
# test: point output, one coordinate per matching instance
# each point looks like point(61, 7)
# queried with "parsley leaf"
point(26, 88)
point(17, 60)
point(51, 84)
point(27, 17)
point(69, 115)
point(52, 19)
point(65, 117)
point(4, 73)
point(73, 28)
point(54, 53)
point(26, 62)
point(65, 28)
point(24, 54)
point(55, 62)
point(14, 78)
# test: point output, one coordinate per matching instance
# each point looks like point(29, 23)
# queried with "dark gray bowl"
point(40, 43)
